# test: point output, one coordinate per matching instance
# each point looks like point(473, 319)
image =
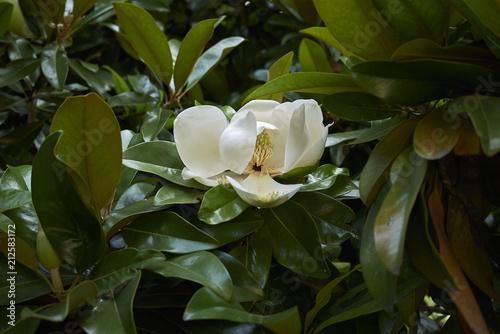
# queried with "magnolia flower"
point(263, 140)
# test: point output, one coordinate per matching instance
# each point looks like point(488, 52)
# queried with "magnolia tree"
point(294, 166)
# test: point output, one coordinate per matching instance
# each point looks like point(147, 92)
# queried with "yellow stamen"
point(263, 149)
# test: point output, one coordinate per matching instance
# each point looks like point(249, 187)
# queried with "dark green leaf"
point(91, 78)
point(6, 10)
point(77, 296)
point(359, 107)
point(200, 267)
point(221, 204)
point(255, 252)
point(120, 266)
point(55, 65)
point(168, 232)
point(407, 174)
point(29, 284)
point(72, 230)
point(279, 68)
point(154, 121)
point(17, 70)
point(319, 83)
point(130, 99)
point(323, 178)
point(380, 281)
point(414, 82)
point(80, 7)
point(174, 194)
point(245, 286)
point(190, 50)
point(296, 239)
point(114, 314)
point(205, 304)
point(146, 38)
point(160, 158)
point(210, 58)
point(375, 172)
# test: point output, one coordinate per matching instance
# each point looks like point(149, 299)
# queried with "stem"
point(57, 282)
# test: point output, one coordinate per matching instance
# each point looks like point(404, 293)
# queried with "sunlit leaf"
point(221, 204)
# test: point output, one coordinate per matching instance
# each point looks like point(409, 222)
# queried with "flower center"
point(263, 151)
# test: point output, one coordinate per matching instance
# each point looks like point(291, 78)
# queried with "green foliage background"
point(396, 231)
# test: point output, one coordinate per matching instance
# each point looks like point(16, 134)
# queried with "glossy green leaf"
point(221, 204)
point(114, 314)
point(422, 251)
point(200, 267)
point(392, 217)
point(130, 99)
point(380, 282)
point(483, 112)
point(424, 48)
point(53, 11)
point(296, 239)
point(327, 211)
point(359, 107)
point(26, 221)
point(80, 295)
point(92, 79)
point(378, 130)
point(487, 11)
point(414, 82)
point(116, 219)
point(210, 58)
point(120, 266)
point(72, 230)
point(160, 158)
point(190, 50)
point(154, 121)
point(168, 232)
point(323, 178)
point(436, 134)
point(135, 193)
point(205, 304)
point(359, 27)
point(146, 38)
point(245, 287)
point(174, 194)
point(13, 198)
point(255, 252)
point(55, 65)
point(319, 83)
point(375, 172)
point(279, 68)
point(233, 230)
point(6, 10)
point(411, 20)
point(80, 7)
point(17, 70)
point(312, 57)
point(91, 146)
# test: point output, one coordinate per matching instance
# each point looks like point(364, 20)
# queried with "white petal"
point(262, 191)
point(314, 152)
point(197, 132)
point(262, 109)
point(298, 141)
point(211, 182)
point(237, 143)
